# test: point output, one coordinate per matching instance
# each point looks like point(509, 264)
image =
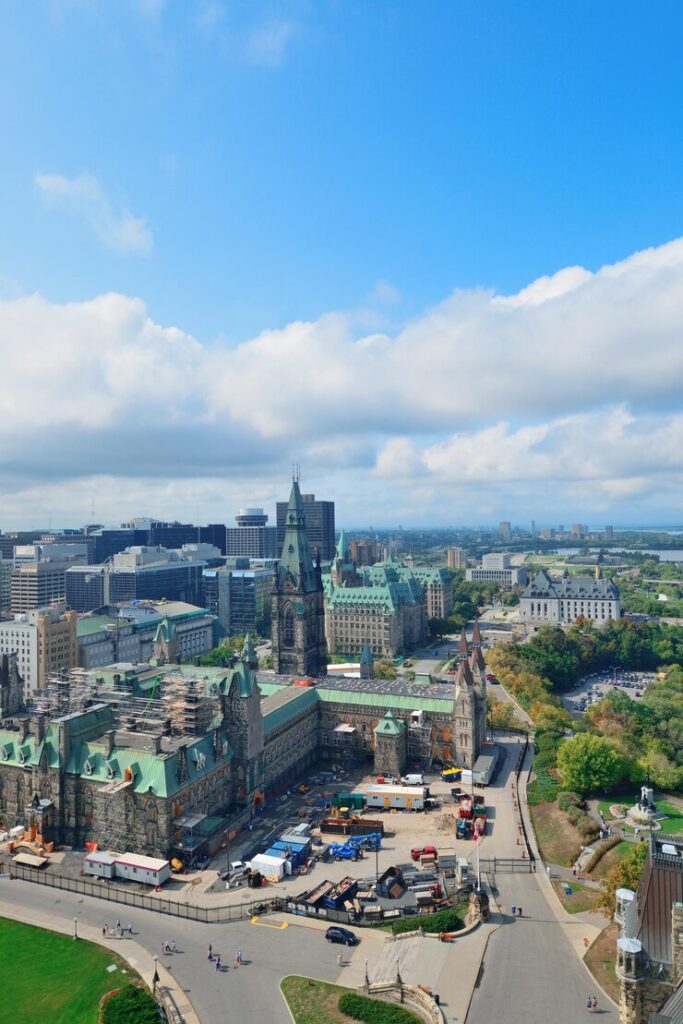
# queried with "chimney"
point(23, 729)
point(109, 738)
point(38, 724)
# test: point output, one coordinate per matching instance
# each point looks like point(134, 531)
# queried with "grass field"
point(53, 978)
point(557, 837)
point(600, 960)
point(611, 858)
point(673, 822)
point(313, 1002)
point(582, 898)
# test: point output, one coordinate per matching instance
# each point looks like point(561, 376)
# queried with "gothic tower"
point(298, 612)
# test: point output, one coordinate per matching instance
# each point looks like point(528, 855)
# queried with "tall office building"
point(6, 566)
point(36, 584)
point(320, 533)
point(505, 531)
point(251, 537)
point(139, 572)
point(43, 640)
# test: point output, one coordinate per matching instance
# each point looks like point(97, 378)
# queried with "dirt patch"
point(600, 960)
point(557, 838)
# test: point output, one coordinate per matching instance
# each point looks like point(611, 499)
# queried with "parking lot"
point(597, 685)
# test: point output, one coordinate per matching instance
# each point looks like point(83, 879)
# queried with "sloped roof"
point(390, 726)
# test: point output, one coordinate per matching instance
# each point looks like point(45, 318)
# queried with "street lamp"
point(75, 929)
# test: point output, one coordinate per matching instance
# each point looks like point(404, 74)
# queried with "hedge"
point(374, 1011)
point(442, 921)
point(600, 851)
point(132, 1005)
point(567, 799)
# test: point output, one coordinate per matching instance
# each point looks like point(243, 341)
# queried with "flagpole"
point(478, 868)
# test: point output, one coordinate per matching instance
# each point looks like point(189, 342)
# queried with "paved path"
point(532, 968)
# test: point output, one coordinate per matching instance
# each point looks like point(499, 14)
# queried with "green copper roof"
point(296, 562)
point(389, 726)
point(343, 551)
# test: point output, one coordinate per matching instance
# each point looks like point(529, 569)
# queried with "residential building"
point(577, 530)
point(456, 558)
point(505, 531)
point(320, 532)
point(251, 537)
point(569, 598)
point(57, 644)
point(497, 568)
point(365, 552)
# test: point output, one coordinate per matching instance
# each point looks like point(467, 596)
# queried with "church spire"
point(476, 634)
point(296, 560)
point(463, 649)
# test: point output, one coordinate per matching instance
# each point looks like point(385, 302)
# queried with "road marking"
point(256, 920)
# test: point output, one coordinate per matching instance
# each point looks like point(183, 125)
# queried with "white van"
point(412, 780)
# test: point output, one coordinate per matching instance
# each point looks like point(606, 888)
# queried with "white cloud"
point(267, 44)
point(569, 392)
point(115, 226)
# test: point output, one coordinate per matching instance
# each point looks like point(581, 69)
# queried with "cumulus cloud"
point(568, 391)
point(83, 195)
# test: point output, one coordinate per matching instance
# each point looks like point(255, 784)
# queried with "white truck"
point(402, 798)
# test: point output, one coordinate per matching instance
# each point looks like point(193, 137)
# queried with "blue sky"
point(331, 173)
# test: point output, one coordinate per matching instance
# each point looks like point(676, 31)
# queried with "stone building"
point(546, 600)
point(650, 943)
point(298, 613)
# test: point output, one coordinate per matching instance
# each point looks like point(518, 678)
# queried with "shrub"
point(600, 851)
point(567, 799)
point(374, 1011)
point(131, 1005)
point(574, 814)
point(442, 921)
point(588, 828)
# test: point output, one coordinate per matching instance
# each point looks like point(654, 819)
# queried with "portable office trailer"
point(404, 798)
point(136, 868)
point(268, 865)
point(485, 767)
point(100, 864)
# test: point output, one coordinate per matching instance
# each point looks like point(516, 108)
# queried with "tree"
point(385, 669)
point(624, 875)
point(589, 764)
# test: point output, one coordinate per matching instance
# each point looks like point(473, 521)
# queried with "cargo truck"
point(485, 766)
point(402, 798)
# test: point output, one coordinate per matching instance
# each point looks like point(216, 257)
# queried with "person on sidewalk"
point(130, 928)
point(514, 910)
point(218, 963)
point(589, 1004)
point(339, 959)
point(210, 957)
point(519, 911)
point(594, 1004)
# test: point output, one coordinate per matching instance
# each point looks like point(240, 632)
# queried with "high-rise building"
point(19, 637)
point(43, 641)
point(6, 566)
point(36, 584)
point(609, 533)
point(456, 558)
point(239, 596)
point(505, 531)
point(365, 552)
point(251, 537)
point(139, 572)
point(320, 532)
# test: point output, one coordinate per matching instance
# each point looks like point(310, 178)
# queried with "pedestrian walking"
point(218, 963)
point(237, 959)
point(547, 870)
point(339, 959)
point(130, 929)
point(594, 1004)
point(118, 923)
point(104, 931)
point(589, 1004)
point(519, 911)
point(514, 910)
point(173, 945)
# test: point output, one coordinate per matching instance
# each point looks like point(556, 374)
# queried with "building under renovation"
point(163, 759)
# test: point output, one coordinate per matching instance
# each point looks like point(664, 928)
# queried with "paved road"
point(530, 971)
point(250, 992)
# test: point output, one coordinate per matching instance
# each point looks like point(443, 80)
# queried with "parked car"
point(343, 935)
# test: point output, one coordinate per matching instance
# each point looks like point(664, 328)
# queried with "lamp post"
point(75, 929)
point(155, 977)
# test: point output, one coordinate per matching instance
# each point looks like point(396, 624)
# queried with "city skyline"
point(436, 260)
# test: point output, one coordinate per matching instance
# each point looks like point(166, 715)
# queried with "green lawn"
point(49, 977)
point(582, 898)
point(317, 1002)
point(672, 823)
point(313, 1002)
point(609, 859)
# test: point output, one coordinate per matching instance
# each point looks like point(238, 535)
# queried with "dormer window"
point(87, 767)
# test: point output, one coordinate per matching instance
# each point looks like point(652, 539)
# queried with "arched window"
point(288, 627)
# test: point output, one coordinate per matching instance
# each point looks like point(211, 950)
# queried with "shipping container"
point(405, 798)
point(136, 868)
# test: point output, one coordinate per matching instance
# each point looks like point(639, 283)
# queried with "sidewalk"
point(127, 948)
point(576, 931)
